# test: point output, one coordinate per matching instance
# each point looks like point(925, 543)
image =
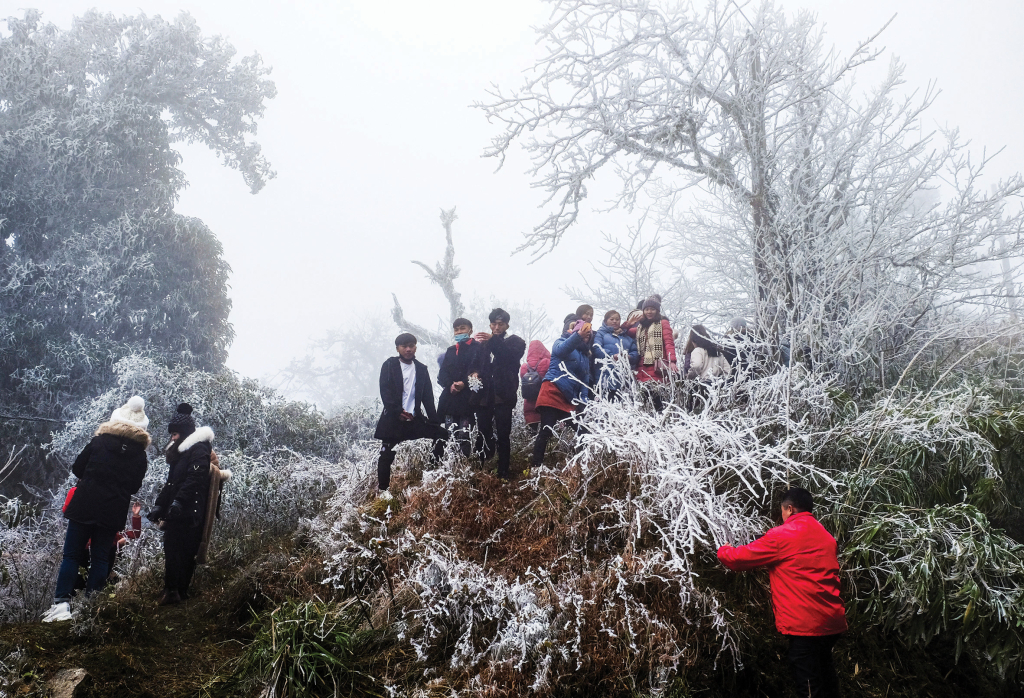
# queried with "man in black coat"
point(408, 399)
point(495, 364)
point(453, 404)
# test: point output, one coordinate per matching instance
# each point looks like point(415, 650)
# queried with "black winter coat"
point(455, 368)
point(188, 478)
point(110, 470)
point(496, 361)
point(391, 396)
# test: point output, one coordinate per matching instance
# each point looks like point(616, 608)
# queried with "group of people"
point(480, 378)
point(110, 470)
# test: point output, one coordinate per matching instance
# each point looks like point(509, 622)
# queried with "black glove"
point(155, 514)
point(177, 511)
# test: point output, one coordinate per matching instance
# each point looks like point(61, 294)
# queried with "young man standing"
point(453, 403)
point(804, 573)
point(496, 365)
point(408, 400)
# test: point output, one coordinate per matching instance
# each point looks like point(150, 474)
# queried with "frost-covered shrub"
point(245, 415)
point(468, 614)
point(602, 569)
point(31, 541)
point(940, 570)
point(266, 497)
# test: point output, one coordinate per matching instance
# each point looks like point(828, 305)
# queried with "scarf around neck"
point(650, 343)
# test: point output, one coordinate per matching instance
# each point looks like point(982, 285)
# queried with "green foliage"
point(308, 648)
point(921, 573)
point(94, 263)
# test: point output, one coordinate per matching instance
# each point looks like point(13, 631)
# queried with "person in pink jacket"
point(803, 570)
point(655, 344)
point(538, 359)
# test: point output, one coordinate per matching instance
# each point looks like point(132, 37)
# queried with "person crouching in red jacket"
point(804, 573)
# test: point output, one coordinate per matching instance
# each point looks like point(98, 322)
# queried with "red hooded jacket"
point(539, 359)
point(801, 559)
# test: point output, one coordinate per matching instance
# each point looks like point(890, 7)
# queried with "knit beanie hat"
point(499, 315)
point(132, 412)
point(652, 302)
point(182, 422)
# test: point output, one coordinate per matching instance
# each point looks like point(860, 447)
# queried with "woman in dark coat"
point(180, 508)
point(110, 470)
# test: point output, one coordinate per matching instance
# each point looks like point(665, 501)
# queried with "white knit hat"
point(132, 412)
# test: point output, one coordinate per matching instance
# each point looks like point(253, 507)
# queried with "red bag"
point(67, 500)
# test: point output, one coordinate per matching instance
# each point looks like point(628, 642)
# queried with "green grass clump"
point(308, 648)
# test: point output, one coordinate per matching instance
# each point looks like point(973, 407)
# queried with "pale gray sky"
point(372, 134)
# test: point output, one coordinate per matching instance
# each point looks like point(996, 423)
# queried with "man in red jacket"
point(804, 573)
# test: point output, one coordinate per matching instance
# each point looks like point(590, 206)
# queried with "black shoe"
point(169, 598)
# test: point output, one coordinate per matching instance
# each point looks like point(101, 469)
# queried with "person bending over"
point(804, 573)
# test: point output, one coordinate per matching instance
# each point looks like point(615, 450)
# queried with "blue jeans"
point(77, 549)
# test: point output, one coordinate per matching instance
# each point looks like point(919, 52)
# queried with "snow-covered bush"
point(245, 415)
point(602, 570)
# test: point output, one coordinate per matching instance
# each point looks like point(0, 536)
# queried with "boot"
point(170, 597)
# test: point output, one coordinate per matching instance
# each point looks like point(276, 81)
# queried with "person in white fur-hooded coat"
point(110, 469)
point(181, 506)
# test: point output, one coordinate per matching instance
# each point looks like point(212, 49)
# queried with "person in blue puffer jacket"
point(566, 386)
point(609, 341)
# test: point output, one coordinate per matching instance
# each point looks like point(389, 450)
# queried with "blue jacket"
point(607, 345)
point(573, 380)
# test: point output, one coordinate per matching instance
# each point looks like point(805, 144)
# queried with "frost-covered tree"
point(94, 263)
point(443, 275)
point(626, 271)
point(816, 205)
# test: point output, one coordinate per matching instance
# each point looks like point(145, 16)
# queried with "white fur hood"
point(200, 434)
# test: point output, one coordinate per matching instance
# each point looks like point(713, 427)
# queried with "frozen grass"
point(597, 571)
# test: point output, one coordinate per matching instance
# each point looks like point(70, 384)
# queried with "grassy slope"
point(134, 648)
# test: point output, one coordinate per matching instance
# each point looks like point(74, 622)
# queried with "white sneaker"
point(58, 612)
point(385, 495)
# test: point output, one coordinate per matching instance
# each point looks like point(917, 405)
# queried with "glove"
point(155, 514)
point(177, 511)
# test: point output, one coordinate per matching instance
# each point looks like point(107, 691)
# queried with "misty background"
point(372, 133)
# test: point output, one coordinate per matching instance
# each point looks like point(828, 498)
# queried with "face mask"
point(461, 337)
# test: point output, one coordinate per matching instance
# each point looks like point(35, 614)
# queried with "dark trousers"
point(459, 429)
point(495, 425)
point(77, 553)
point(407, 431)
point(181, 543)
point(549, 417)
point(810, 661)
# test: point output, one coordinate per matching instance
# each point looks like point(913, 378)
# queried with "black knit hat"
point(182, 422)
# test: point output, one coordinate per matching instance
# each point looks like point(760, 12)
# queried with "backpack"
point(531, 381)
